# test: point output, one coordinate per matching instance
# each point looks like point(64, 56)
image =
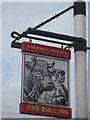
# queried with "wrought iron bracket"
point(81, 45)
point(76, 42)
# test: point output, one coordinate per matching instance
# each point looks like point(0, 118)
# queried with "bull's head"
point(41, 73)
point(38, 78)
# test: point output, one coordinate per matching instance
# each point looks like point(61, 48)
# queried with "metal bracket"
point(80, 45)
point(76, 42)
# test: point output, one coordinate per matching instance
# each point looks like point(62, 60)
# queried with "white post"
point(81, 108)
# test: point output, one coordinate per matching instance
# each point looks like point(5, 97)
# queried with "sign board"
point(45, 81)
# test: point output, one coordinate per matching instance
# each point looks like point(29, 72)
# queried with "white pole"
point(81, 108)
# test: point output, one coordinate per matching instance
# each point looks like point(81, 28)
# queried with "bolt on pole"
point(81, 107)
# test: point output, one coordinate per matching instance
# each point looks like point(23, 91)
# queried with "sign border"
point(45, 110)
point(48, 51)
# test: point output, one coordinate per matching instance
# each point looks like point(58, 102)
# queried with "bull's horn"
point(33, 58)
point(51, 65)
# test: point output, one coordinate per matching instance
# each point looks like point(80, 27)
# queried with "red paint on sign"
point(47, 110)
point(46, 50)
point(37, 108)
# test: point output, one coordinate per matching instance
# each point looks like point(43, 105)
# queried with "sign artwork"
point(45, 81)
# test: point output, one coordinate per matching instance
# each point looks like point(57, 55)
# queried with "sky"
point(19, 16)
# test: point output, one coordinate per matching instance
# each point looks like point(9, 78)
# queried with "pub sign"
point(45, 81)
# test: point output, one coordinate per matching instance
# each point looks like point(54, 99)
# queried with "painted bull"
point(38, 78)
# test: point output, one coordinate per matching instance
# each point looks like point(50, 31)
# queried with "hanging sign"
point(45, 81)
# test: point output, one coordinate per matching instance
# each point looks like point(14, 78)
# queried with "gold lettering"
point(37, 108)
point(54, 110)
point(55, 51)
point(43, 109)
point(28, 107)
point(49, 50)
point(51, 111)
point(66, 112)
point(60, 111)
point(33, 108)
point(37, 47)
point(47, 109)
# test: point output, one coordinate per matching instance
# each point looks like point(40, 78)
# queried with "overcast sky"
point(19, 16)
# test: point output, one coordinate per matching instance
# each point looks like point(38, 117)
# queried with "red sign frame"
point(46, 110)
point(46, 50)
point(37, 108)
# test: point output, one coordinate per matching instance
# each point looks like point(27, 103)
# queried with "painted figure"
point(59, 96)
